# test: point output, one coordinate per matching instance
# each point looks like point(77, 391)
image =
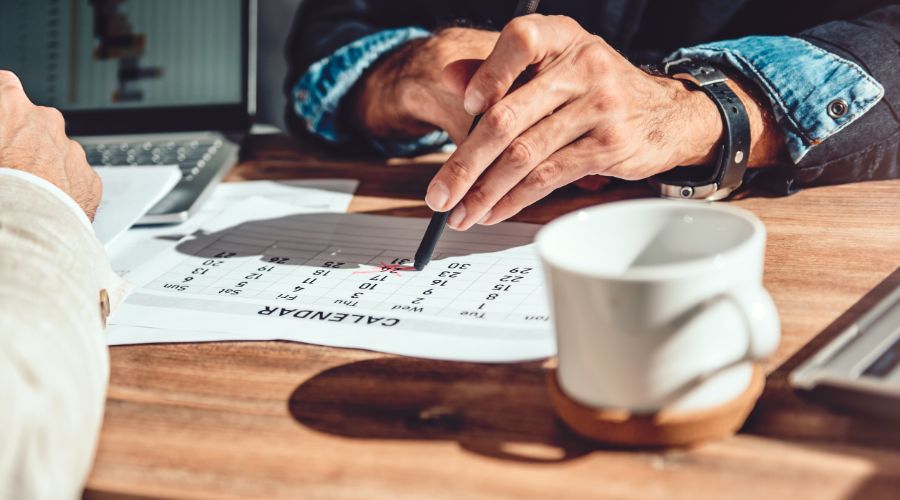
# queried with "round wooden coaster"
point(661, 429)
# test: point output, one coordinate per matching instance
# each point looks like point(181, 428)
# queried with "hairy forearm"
point(706, 130)
point(696, 125)
point(375, 105)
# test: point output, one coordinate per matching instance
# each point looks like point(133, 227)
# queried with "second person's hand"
point(33, 139)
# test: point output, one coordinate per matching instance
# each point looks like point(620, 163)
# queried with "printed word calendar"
point(347, 280)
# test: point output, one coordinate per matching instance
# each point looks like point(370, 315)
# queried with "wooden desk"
point(277, 419)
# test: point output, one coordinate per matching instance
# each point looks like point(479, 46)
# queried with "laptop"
point(142, 82)
point(860, 369)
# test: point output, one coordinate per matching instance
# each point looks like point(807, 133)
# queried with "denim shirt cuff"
point(805, 84)
point(318, 93)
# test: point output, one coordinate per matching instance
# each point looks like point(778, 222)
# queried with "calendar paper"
point(262, 271)
point(140, 244)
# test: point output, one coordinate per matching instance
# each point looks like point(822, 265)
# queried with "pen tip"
point(419, 265)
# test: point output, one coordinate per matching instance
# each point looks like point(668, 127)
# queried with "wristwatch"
point(716, 181)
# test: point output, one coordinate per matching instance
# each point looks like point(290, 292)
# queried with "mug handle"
point(761, 317)
point(763, 327)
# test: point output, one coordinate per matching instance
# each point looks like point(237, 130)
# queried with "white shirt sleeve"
point(54, 363)
point(55, 191)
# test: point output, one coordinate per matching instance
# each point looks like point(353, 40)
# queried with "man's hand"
point(33, 139)
point(405, 95)
point(584, 110)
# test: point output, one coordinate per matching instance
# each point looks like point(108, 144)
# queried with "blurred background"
point(275, 18)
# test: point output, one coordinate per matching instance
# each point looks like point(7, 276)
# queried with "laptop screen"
point(105, 55)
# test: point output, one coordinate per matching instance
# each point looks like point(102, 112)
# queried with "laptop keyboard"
point(190, 155)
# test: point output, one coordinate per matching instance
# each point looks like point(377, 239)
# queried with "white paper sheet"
point(129, 192)
point(141, 244)
point(262, 271)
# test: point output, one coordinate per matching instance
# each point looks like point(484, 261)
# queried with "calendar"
point(261, 271)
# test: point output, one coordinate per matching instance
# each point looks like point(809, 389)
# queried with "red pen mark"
point(388, 268)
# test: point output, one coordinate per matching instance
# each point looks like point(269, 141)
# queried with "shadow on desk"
point(785, 414)
point(501, 411)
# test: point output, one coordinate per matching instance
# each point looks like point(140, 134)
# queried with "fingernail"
point(458, 215)
point(474, 102)
point(437, 196)
point(486, 217)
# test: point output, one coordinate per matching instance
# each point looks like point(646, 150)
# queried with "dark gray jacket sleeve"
point(869, 148)
point(323, 26)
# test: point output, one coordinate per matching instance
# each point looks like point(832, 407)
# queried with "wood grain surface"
point(288, 420)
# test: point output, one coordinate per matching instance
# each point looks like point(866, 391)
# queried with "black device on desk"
point(142, 82)
point(860, 369)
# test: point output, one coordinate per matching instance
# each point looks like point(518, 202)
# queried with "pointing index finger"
point(500, 125)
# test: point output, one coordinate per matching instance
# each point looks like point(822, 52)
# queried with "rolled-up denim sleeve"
point(813, 93)
point(318, 94)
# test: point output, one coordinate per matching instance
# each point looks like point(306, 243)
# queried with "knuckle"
point(603, 95)
point(8, 78)
point(478, 196)
point(53, 116)
point(543, 178)
point(524, 33)
point(595, 142)
point(12, 94)
point(458, 170)
point(609, 136)
point(568, 22)
point(614, 137)
point(77, 150)
point(520, 153)
point(7, 89)
point(508, 205)
point(592, 55)
point(501, 118)
point(490, 83)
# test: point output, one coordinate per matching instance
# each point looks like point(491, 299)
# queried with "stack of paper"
point(129, 193)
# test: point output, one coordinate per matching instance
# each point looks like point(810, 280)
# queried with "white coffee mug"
point(658, 303)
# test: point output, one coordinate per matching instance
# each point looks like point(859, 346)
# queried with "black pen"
point(439, 219)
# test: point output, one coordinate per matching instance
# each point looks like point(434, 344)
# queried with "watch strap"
point(727, 173)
